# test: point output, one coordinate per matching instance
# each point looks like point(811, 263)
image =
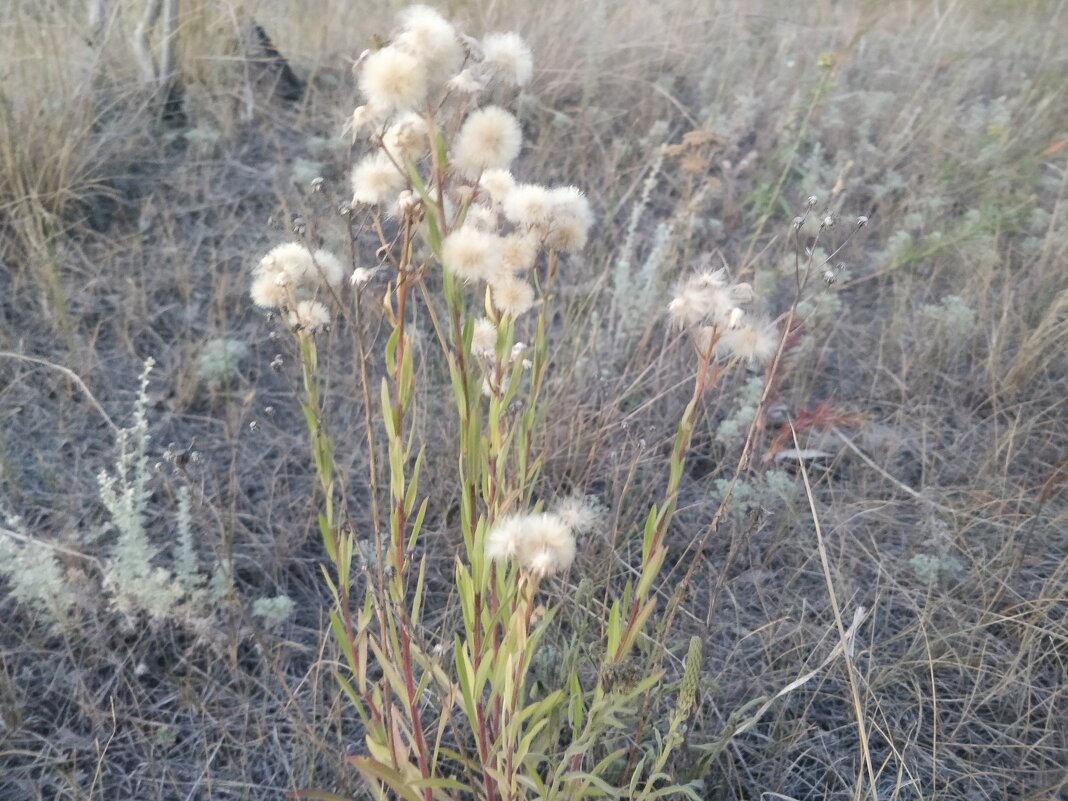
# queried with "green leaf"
point(387, 411)
point(373, 769)
point(391, 350)
point(418, 525)
point(413, 483)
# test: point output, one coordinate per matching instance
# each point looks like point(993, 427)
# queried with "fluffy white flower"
point(362, 117)
point(288, 268)
point(508, 58)
point(702, 299)
point(542, 544)
point(407, 139)
point(484, 337)
point(469, 253)
point(328, 267)
point(502, 542)
point(518, 252)
point(579, 513)
point(529, 205)
point(497, 183)
point(570, 219)
point(361, 275)
point(309, 315)
point(465, 83)
point(481, 217)
point(393, 80)
point(490, 138)
point(376, 180)
point(511, 295)
point(430, 38)
point(268, 292)
point(756, 342)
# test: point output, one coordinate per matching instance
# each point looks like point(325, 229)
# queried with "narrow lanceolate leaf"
point(391, 350)
point(413, 484)
point(650, 532)
point(417, 526)
point(615, 627)
point(387, 411)
point(373, 769)
point(417, 600)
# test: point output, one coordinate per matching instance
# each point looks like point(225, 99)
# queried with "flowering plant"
point(469, 717)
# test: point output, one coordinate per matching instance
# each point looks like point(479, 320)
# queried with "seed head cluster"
point(714, 312)
point(424, 83)
point(427, 148)
point(291, 275)
point(540, 544)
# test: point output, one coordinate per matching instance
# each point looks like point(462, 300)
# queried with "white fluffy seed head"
point(701, 299)
point(755, 342)
point(497, 183)
point(362, 275)
point(570, 219)
point(375, 180)
point(466, 83)
point(508, 58)
point(484, 338)
point(541, 544)
point(288, 263)
point(482, 217)
point(407, 139)
point(430, 38)
point(511, 295)
point(469, 253)
point(579, 513)
point(502, 542)
point(490, 138)
point(393, 80)
point(269, 293)
point(529, 205)
point(363, 117)
point(329, 268)
point(547, 546)
point(518, 252)
point(284, 270)
point(309, 315)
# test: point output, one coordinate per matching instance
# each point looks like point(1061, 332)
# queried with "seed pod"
point(690, 678)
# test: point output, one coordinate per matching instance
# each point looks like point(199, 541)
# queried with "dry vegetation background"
point(933, 376)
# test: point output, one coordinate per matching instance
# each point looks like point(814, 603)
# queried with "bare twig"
point(4, 354)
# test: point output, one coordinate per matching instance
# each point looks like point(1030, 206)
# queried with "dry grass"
point(945, 123)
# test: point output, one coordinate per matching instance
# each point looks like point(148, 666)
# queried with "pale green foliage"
point(186, 567)
point(731, 430)
point(219, 362)
point(929, 568)
point(635, 294)
point(953, 317)
point(274, 611)
point(135, 584)
point(133, 577)
point(34, 572)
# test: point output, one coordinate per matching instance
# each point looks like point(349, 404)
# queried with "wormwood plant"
point(466, 245)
